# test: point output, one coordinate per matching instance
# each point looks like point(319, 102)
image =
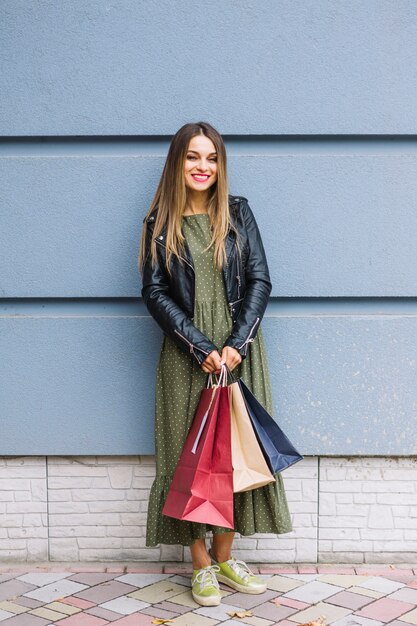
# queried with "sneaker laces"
point(240, 568)
point(207, 577)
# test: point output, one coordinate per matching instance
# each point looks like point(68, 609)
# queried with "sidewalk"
point(142, 594)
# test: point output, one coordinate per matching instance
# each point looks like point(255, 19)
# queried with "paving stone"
point(82, 619)
point(381, 584)
point(186, 599)
point(53, 616)
point(104, 613)
point(271, 611)
point(405, 594)
point(323, 569)
point(255, 621)
point(160, 613)
point(28, 602)
point(56, 590)
point(313, 592)
point(247, 600)
point(40, 579)
point(137, 619)
point(5, 614)
point(331, 612)
point(62, 607)
point(282, 583)
point(355, 620)
point(181, 580)
point(124, 605)
point(192, 619)
point(141, 580)
point(295, 604)
point(167, 605)
point(304, 577)
point(371, 593)
point(13, 587)
point(12, 607)
point(78, 602)
point(105, 592)
point(277, 570)
point(350, 600)
point(219, 613)
point(343, 580)
point(92, 578)
point(385, 609)
point(155, 568)
point(4, 577)
point(161, 590)
point(178, 569)
point(307, 569)
point(401, 576)
point(25, 620)
point(411, 617)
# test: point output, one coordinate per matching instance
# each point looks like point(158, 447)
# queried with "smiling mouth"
point(200, 177)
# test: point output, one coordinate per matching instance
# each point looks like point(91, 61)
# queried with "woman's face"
point(200, 164)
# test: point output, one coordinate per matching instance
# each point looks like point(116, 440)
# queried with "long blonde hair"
point(171, 198)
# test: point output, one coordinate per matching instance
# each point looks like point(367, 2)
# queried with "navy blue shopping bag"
point(278, 450)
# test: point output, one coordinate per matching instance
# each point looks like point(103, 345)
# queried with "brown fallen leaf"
point(159, 620)
point(240, 613)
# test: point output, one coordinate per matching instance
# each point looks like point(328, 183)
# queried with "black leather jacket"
point(170, 300)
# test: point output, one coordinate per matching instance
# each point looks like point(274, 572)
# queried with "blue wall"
point(316, 102)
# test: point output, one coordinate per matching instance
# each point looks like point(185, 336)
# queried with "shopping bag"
point(201, 489)
point(250, 469)
point(278, 450)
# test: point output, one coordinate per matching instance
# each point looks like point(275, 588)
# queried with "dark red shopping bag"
point(202, 486)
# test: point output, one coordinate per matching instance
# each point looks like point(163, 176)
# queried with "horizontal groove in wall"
point(277, 307)
point(253, 145)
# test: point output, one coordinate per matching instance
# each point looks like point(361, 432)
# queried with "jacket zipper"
point(238, 274)
point(192, 346)
point(231, 304)
point(248, 339)
point(184, 259)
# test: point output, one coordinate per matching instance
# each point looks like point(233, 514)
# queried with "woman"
point(206, 283)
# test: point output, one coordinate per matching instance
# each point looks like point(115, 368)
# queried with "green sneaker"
point(236, 574)
point(205, 587)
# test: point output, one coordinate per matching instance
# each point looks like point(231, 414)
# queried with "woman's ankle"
point(201, 564)
point(218, 556)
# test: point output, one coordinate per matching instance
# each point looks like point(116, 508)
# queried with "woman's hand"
point(212, 364)
point(231, 357)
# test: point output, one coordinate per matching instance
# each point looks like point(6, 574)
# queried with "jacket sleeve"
point(172, 320)
point(258, 288)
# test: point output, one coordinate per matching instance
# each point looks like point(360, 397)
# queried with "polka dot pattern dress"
point(179, 381)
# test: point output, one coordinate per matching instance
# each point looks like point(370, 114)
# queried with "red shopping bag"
point(201, 489)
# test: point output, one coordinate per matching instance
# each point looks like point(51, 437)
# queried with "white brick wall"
point(346, 510)
point(367, 510)
point(23, 509)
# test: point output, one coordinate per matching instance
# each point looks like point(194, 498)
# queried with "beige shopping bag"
point(250, 469)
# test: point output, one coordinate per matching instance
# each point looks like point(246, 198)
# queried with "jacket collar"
point(230, 238)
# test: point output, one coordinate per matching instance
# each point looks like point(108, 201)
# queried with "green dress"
point(179, 382)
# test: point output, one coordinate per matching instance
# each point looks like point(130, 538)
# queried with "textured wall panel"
point(85, 385)
point(332, 225)
point(129, 67)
